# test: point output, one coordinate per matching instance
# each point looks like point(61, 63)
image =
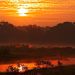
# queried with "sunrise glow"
point(22, 12)
point(37, 37)
point(41, 12)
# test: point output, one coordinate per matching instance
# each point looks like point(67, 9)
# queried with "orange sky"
point(40, 12)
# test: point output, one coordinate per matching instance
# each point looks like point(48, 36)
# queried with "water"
point(31, 65)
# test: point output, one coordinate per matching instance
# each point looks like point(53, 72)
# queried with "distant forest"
point(61, 34)
point(12, 53)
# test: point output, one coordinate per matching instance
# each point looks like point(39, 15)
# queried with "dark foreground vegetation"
point(59, 70)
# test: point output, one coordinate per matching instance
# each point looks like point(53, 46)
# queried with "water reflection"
point(31, 65)
point(3, 67)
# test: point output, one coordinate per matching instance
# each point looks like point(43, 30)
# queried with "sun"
point(22, 12)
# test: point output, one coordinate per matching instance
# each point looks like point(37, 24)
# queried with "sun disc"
point(22, 12)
